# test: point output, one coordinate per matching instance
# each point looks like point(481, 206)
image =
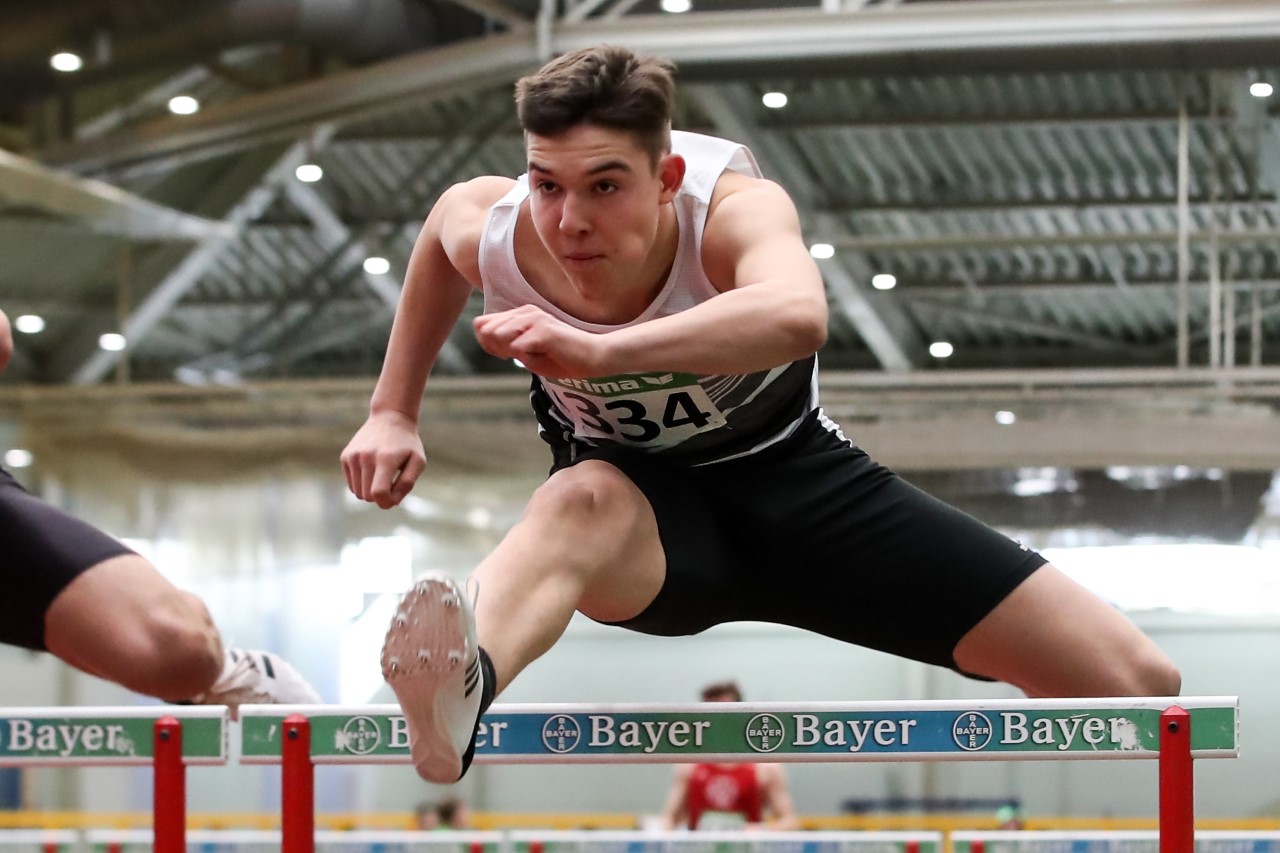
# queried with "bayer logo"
point(358, 736)
point(765, 732)
point(971, 731)
point(561, 733)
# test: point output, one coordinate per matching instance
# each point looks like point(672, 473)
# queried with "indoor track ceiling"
point(1080, 198)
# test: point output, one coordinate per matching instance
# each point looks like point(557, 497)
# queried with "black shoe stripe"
point(266, 664)
point(471, 682)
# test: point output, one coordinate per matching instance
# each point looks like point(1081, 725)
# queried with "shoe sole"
point(426, 622)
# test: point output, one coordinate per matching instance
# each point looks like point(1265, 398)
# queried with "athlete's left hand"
point(544, 345)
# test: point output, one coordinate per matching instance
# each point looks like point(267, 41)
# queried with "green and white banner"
point(710, 841)
point(89, 736)
point(1111, 841)
point(783, 732)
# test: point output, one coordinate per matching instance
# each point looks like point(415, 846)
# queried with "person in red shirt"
point(729, 796)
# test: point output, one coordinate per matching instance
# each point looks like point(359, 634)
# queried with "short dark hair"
point(721, 689)
point(447, 809)
point(607, 86)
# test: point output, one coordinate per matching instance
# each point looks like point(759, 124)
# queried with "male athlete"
point(728, 796)
point(661, 293)
point(93, 602)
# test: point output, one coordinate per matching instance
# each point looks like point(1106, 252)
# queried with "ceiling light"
point(31, 324)
point(112, 342)
point(183, 105)
point(884, 281)
point(1261, 90)
point(1004, 417)
point(18, 458)
point(377, 266)
point(774, 100)
point(822, 251)
point(308, 173)
point(941, 349)
point(675, 7)
point(66, 62)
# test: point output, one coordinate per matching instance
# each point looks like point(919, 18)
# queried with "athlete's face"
point(596, 200)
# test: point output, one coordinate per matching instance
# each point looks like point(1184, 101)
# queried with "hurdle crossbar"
point(166, 737)
point(1172, 729)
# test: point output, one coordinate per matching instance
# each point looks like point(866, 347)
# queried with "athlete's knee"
point(593, 493)
point(178, 653)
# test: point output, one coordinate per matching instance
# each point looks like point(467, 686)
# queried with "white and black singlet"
point(695, 418)
point(765, 510)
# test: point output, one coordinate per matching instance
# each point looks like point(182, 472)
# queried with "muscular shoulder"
point(477, 194)
point(743, 210)
point(460, 214)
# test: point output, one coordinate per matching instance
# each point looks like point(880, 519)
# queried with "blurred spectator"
point(425, 817)
point(728, 796)
point(451, 813)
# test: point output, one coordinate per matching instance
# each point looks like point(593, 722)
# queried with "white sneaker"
point(432, 661)
point(257, 678)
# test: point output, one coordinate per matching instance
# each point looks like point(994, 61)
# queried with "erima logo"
point(971, 731)
point(561, 734)
point(765, 732)
point(358, 736)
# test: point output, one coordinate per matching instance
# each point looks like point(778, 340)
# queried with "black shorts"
point(812, 533)
point(42, 550)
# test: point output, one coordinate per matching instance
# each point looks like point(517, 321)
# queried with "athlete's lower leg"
point(588, 541)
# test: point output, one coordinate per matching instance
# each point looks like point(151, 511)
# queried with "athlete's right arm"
point(676, 811)
point(384, 458)
point(6, 340)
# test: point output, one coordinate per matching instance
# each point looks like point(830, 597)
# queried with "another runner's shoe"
point(257, 678)
point(433, 663)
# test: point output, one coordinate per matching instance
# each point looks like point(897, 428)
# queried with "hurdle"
point(1174, 730)
point(724, 841)
point(1110, 841)
point(166, 737)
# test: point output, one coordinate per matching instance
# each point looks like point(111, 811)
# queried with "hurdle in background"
point(333, 841)
point(1117, 841)
point(729, 841)
point(168, 738)
point(1174, 730)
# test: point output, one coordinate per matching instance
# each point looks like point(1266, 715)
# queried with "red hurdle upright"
point(170, 802)
point(1177, 784)
point(297, 792)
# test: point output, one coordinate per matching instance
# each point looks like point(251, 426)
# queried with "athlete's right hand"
point(383, 459)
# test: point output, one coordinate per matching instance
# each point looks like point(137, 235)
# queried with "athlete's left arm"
point(772, 309)
point(778, 810)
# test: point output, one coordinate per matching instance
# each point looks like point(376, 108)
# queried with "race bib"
point(637, 409)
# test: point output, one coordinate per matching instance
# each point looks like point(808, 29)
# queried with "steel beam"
point(100, 206)
point(918, 37)
point(334, 235)
point(952, 242)
point(889, 337)
point(1021, 324)
point(184, 276)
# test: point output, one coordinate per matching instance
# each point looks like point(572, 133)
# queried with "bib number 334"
point(640, 410)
